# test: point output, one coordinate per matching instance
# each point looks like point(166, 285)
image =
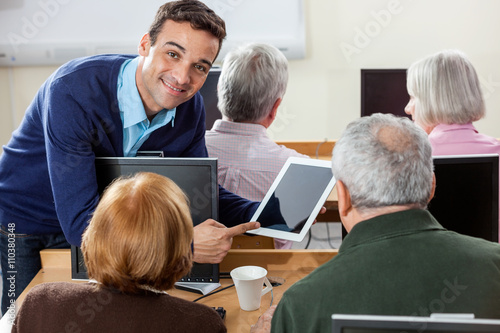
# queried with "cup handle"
point(268, 287)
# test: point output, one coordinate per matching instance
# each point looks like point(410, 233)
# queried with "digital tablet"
point(295, 198)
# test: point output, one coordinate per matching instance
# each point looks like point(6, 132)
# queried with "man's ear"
point(344, 199)
point(274, 111)
point(144, 45)
point(268, 120)
point(433, 190)
point(348, 215)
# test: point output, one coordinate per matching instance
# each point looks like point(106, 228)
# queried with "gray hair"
point(253, 77)
point(446, 89)
point(384, 160)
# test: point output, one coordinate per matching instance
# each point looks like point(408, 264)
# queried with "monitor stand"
point(199, 287)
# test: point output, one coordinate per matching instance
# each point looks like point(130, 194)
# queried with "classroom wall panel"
point(342, 37)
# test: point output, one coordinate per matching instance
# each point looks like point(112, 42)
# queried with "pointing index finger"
point(242, 228)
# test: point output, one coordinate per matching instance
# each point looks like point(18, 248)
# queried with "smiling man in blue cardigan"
point(110, 105)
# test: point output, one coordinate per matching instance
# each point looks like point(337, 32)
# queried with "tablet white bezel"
point(296, 237)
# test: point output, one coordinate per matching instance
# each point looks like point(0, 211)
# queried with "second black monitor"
point(383, 91)
point(209, 93)
point(466, 196)
point(197, 177)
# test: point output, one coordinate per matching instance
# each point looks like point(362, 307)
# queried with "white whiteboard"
point(38, 32)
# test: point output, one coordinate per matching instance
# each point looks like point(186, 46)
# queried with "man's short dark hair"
point(195, 12)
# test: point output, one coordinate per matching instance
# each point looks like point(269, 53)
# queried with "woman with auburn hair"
point(137, 245)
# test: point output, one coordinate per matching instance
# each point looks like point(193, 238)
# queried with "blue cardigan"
point(47, 172)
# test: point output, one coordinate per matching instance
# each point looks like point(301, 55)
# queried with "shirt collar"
point(389, 225)
point(231, 127)
point(130, 102)
point(453, 127)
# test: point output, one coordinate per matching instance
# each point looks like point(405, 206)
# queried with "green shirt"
point(403, 263)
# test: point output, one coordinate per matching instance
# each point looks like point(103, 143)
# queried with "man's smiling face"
point(174, 69)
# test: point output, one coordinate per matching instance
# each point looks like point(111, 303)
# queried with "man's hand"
point(321, 211)
point(263, 325)
point(212, 240)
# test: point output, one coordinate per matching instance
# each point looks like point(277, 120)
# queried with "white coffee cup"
point(249, 281)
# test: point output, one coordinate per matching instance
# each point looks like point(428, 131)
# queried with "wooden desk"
point(286, 266)
point(321, 149)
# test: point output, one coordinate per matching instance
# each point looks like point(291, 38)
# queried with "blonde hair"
point(140, 235)
point(446, 89)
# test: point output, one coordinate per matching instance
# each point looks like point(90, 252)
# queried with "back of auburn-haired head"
point(140, 235)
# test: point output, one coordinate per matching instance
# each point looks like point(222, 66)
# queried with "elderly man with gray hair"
point(251, 87)
point(397, 259)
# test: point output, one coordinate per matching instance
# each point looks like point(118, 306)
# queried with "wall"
point(324, 89)
point(343, 36)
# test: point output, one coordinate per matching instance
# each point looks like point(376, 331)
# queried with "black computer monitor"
point(466, 197)
point(197, 177)
point(209, 93)
point(383, 91)
point(451, 323)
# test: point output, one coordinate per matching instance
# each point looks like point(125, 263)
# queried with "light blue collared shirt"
point(136, 126)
